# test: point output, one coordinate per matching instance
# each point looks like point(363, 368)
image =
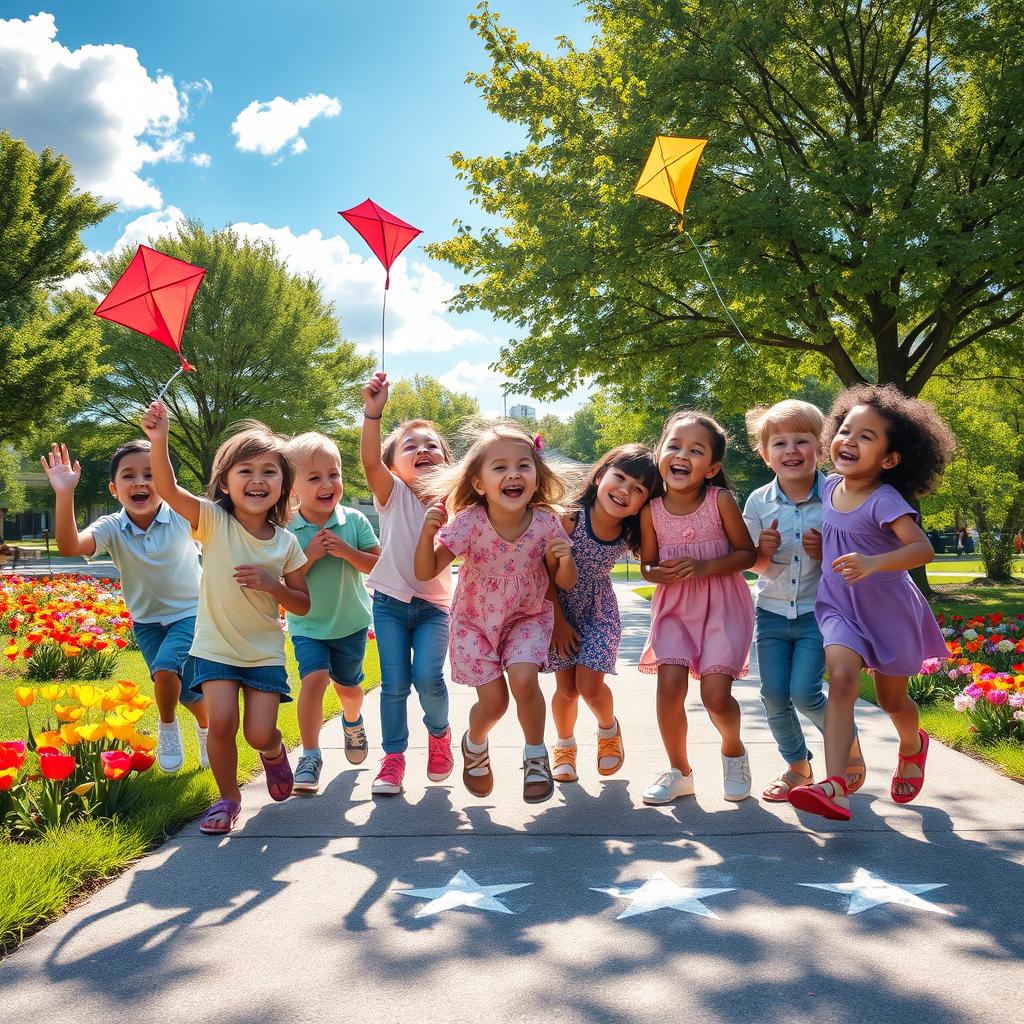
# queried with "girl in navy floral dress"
point(604, 525)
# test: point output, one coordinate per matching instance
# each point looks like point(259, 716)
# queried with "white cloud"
point(474, 377)
point(144, 229)
point(201, 159)
point(267, 127)
point(97, 104)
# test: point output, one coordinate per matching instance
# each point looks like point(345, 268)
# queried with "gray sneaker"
point(307, 775)
point(356, 747)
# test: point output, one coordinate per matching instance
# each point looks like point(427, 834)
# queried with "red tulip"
point(56, 767)
point(142, 760)
point(116, 763)
point(12, 754)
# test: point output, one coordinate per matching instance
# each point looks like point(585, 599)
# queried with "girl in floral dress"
point(500, 497)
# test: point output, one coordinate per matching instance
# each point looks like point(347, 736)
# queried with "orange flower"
point(24, 695)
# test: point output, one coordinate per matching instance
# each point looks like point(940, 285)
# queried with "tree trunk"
point(997, 545)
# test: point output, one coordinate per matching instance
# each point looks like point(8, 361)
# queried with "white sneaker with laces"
point(170, 752)
point(201, 735)
point(669, 786)
point(737, 776)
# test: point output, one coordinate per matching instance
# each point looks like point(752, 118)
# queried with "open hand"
point(155, 423)
point(254, 577)
point(375, 394)
point(812, 544)
point(854, 566)
point(62, 473)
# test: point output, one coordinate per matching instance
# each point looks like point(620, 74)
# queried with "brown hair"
point(249, 440)
point(719, 440)
point(390, 444)
point(454, 483)
point(799, 417)
point(129, 448)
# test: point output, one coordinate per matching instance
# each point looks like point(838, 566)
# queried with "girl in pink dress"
point(694, 545)
point(512, 543)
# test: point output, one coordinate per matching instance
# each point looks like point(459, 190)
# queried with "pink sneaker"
point(440, 761)
point(389, 778)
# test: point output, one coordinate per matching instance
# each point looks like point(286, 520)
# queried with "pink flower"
point(997, 696)
point(961, 702)
point(1017, 699)
point(930, 666)
point(974, 691)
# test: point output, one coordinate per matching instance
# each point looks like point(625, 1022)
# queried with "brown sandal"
point(778, 791)
point(478, 785)
point(538, 785)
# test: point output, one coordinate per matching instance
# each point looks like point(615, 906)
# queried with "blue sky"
point(342, 100)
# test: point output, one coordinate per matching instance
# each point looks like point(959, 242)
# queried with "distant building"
point(523, 412)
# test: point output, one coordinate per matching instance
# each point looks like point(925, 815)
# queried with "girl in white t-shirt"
point(410, 617)
point(250, 567)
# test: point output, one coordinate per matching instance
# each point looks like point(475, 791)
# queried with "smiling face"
point(685, 458)
point(418, 453)
point(133, 486)
point(620, 495)
point(318, 485)
point(792, 455)
point(254, 485)
point(507, 477)
point(860, 449)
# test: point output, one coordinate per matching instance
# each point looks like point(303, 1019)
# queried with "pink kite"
point(387, 235)
point(153, 296)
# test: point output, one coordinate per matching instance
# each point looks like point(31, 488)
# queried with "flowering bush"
point(64, 627)
point(87, 751)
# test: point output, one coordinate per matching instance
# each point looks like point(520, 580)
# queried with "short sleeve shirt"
point(339, 603)
point(159, 567)
point(235, 626)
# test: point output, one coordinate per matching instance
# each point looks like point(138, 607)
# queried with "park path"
point(299, 915)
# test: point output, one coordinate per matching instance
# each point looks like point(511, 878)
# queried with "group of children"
point(534, 591)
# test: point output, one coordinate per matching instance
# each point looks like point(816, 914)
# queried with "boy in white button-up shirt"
point(152, 547)
point(785, 519)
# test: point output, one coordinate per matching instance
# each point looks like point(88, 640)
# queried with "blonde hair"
point(303, 448)
point(249, 440)
point(454, 482)
point(799, 417)
point(390, 444)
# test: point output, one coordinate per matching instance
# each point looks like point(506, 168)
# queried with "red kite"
point(153, 296)
point(387, 235)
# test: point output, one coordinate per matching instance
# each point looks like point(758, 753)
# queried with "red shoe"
point(389, 778)
point(816, 799)
point(916, 785)
point(440, 761)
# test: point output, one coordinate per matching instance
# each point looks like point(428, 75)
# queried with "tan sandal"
point(610, 746)
point(778, 791)
point(564, 768)
point(856, 769)
point(478, 785)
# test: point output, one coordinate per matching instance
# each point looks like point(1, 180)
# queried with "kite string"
point(383, 313)
point(700, 256)
point(163, 390)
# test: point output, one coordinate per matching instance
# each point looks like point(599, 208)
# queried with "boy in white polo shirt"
point(152, 547)
point(330, 641)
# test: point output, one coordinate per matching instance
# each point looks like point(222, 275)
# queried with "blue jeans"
point(791, 660)
point(412, 641)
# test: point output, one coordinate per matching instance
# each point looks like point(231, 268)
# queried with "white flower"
point(961, 702)
point(1004, 645)
point(948, 631)
point(1019, 715)
point(970, 634)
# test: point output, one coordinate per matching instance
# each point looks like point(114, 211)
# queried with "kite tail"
point(700, 256)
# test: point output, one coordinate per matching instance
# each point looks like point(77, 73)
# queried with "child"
point(500, 495)
point(887, 449)
point(604, 526)
point(239, 644)
point(329, 642)
point(785, 517)
point(694, 545)
point(410, 616)
point(153, 549)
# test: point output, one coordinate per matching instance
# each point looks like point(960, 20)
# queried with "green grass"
point(39, 878)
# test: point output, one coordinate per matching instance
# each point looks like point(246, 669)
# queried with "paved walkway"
point(299, 916)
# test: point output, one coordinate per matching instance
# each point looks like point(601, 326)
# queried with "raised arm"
point(378, 476)
point(63, 475)
point(155, 424)
point(431, 558)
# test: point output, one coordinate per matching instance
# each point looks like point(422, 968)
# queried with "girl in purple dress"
point(887, 449)
point(604, 525)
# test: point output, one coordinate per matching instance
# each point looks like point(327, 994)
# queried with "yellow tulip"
point(89, 695)
point(51, 692)
point(119, 728)
point(141, 701)
point(69, 734)
point(24, 695)
point(131, 714)
point(83, 788)
point(144, 742)
point(127, 689)
point(134, 739)
point(68, 713)
point(93, 733)
point(49, 739)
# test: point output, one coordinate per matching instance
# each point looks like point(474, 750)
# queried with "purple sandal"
point(279, 776)
point(220, 818)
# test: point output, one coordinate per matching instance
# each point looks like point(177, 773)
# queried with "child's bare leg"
point(722, 706)
point(596, 692)
point(894, 700)
point(524, 683)
point(671, 700)
point(351, 698)
point(166, 691)
point(259, 723)
point(844, 668)
point(221, 698)
point(197, 709)
point(310, 710)
point(565, 703)
point(491, 704)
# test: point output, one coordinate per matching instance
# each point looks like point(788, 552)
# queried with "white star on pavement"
point(659, 892)
point(867, 891)
point(462, 891)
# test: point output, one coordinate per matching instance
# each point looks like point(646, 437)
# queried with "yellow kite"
point(669, 171)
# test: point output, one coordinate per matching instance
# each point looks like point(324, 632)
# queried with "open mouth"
point(679, 472)
point(792, 463)
point(846, 457)
point(140, 498)
point(326, 499)
point(616, 500)
point(423, 462)
point(513, 491)
point(256, 495)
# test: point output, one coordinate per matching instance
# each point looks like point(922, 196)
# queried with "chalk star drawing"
point(868, 890)
point(463, 891)
point(659, 893)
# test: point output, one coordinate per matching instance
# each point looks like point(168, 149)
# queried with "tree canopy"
point(858, 201)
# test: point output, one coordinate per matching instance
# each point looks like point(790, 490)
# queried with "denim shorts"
point(268, 678)
point(343, 658)
point(165, 649)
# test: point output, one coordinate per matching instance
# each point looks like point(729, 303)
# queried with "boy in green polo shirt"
point(330, 641)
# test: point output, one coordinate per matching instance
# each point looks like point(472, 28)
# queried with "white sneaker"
point(170, 753)
point(669, 786)
point(737, 776)
point(201, 735)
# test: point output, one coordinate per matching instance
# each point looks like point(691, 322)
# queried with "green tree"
point(858, 200)
point(426, 398)
point(264, 342)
